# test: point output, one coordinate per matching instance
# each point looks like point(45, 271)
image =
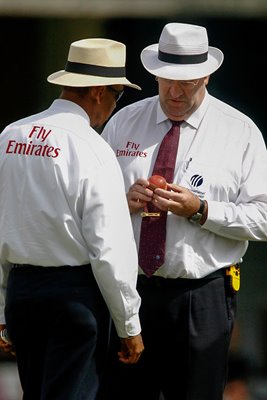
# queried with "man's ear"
point(206, 80)
point(97, 93)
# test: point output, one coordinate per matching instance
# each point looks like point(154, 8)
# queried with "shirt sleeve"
point(244, 219)
point(108, 231)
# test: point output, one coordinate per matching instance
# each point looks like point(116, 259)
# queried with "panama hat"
point(183, 53)
point(94, 62)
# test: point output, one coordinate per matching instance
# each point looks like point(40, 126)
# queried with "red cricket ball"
point(157, 181)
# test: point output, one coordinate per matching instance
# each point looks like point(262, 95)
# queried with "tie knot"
point(176, 123)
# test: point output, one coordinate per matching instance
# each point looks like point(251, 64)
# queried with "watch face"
point(196, 217)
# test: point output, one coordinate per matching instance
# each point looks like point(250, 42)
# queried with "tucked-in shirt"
point(62, 202)
point(221, 158)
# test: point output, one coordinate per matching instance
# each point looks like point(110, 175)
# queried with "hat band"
point(182, 59)
point(96, 70)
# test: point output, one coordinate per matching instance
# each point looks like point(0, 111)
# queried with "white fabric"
point(63, 203)
point(221, 150)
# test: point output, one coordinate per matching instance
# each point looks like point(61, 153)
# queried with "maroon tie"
point(153, 229)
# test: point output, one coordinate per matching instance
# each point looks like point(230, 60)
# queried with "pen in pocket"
point(187, 163)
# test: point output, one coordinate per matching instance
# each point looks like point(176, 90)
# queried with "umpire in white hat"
point(192, 235)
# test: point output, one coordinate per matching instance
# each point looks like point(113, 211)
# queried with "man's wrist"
point(201, 215)
point(205, 213)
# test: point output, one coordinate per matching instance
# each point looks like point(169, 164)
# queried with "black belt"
point(67, 270)
point(49, 277)
point(67, 267)
point(158, 281)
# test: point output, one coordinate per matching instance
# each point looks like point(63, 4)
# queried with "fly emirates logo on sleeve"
point(131, 150)
point(39, 148)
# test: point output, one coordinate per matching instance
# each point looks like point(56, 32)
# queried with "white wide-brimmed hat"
point(94, 62)
point(183, 53)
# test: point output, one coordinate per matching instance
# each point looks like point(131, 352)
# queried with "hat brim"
point(150, 61)
point(64, 78)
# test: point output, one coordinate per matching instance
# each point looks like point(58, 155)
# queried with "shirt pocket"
point(214, 182)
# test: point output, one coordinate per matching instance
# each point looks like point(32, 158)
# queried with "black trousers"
point(186, 328)
point(59, 324)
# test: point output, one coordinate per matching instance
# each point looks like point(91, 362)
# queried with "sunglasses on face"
point(117, 93)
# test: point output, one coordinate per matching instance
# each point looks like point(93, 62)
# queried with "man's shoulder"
point(229, 110)
point(139, 107)
point(26, 120)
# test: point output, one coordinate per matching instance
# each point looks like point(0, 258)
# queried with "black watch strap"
point(201, 207)
point(198, 215)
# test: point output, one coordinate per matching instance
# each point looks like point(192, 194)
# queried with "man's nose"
point(176, 89)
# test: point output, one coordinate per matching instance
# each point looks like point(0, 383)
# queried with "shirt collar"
point(195, 119)
point(68, 106)
point(161, 117)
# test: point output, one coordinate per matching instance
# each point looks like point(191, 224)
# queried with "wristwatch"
point(199, 214)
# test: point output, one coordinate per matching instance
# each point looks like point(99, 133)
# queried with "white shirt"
point(63, 203)
point(221, 158)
